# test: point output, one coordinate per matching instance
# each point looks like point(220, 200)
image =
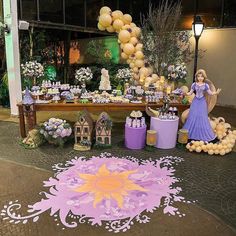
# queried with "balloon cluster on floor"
point(128, 37)
point(225, 135)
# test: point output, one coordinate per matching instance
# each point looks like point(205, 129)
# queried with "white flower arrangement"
point(124, 73)
point(83, 74)
point(177, 72)
point(32, 69)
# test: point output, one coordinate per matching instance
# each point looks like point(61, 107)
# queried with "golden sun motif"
point(106, 185)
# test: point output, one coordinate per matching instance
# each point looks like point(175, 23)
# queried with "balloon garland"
point(128, 38)
point(225, 135)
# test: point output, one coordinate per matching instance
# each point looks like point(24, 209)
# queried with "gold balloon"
point(128, 48)
point(127, 18)
point(136, 77)
point(131, 65)
point(105, 10)
point(139, 47)
point(110, 29)
point(117, 15)
point(132, 24)
point(117, 24)
point(139, 54)
point(134, 40)
point(127, 27)
point(155, 77)
point(105, 20)
point(124, 56)
point(135, 69)
point(128, 61)
point(122, 45)
point(210, 152)
point(100, 27)
point(124, 36)
point(137, 31)
point(143, 71)
point(139, 63)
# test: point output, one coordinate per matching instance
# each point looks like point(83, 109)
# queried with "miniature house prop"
point(83, 132)
point(103, 130)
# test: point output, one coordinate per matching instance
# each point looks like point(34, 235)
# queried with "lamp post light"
point(197, 27)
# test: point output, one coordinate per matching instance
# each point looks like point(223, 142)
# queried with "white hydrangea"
point(32, 69)
point(83, 74)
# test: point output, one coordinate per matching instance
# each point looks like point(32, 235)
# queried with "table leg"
point(22, 121)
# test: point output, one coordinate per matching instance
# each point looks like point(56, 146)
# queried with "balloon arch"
point(128, 38)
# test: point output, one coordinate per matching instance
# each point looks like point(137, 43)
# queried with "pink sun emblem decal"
point(105, 190)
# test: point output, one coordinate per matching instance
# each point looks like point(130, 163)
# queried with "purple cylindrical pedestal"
point(135, 137)
point(166, 132)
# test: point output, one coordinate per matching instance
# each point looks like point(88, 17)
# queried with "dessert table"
point(28, 112)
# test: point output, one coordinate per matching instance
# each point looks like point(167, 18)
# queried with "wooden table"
point(29, 112)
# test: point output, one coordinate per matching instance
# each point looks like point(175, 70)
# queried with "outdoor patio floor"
point(208, 180)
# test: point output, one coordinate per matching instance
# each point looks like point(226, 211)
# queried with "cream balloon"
point(105, 10)
point(105, 20)
point(210, 152)
point(128, 48)
point(139, 63)
point(135, 69)
point(122, 45)
point(131, 65)
point(137, 31)
point(127, 27)
point(100, 27)
point(134, 41)
point(139, 54)
point(118, 24)
point(124, 56)
point(127, 18)
point(143, 71)
point(222, 152)
point(124, 36)
point(139, 47)
point(117, 15)
point(110, 29)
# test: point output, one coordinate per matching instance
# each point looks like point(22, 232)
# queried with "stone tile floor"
point(211, 180)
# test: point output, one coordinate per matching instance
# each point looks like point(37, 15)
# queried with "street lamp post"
point(197, 28)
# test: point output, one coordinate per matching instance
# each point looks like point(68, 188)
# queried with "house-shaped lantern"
point(103, 130)
point(83, 131)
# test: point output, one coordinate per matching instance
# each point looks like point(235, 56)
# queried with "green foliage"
point(163, 44)
point(98, 50)
point(4, 91)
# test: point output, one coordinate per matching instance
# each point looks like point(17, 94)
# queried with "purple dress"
point(197, 123)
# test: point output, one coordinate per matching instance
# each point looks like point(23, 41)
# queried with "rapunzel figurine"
point(197, 123)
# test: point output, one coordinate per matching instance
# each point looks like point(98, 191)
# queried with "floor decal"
point(105, 190)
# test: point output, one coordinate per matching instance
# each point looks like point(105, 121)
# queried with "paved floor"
point(24, 183)
point(211, 180)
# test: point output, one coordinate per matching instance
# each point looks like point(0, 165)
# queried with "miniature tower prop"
point(83, 132)
point(103, 130)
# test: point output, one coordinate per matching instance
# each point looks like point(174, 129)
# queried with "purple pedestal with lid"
point(135, 137)
point(166, 132)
